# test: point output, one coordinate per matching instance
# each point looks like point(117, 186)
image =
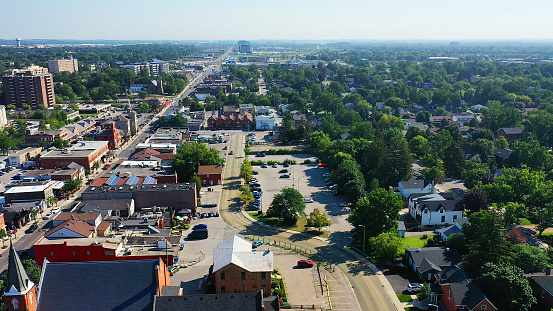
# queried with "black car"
point(414, 229)
point(285, 176)
point(32, 228)
point(283, 171)
point(255, 172)
point(286, 164)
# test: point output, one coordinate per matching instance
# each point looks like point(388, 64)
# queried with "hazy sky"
point(277, 19)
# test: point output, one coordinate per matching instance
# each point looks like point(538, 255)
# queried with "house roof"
point(97, 206)
point(401, 225)
point(512, 130)
point(469, 153)
point(450, 230)
point(228, 302)
point(108, 285)
point(78, 226)
point(170, 291)
point(502, 153)
point(210, 169)
point(415, 183)
point(434, 202)
point(238, 251)
point(77, 216)
point(544, 281)
point(464, 290)
point(438, 256)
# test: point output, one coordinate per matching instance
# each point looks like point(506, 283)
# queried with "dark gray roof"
point(464, 290)
point(427, 265)
point(462, 221)
point(469, 153)
point(227, 302)
point(108, 285)
point(512, 130)
point(170, 290)
point(448, 205)
point(450, 230)
point(401, 225)
point(75, 166)
point(545, 281)
point(119, 204)
point(502, 153)
point(437, 256)
point(415, 183)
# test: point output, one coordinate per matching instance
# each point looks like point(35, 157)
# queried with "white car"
point(345, 204)
point(308, 200)
point(414, 287)
point(56, 210)
point(48, 216)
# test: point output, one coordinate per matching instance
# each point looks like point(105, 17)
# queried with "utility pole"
point(364, 237)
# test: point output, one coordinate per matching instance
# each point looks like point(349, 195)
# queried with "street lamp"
point(364, 237)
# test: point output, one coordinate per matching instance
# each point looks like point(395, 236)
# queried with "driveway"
point(400, 278)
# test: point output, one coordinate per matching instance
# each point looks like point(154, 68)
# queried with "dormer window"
point(441, 210)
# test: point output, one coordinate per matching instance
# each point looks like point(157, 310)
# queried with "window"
point(254, 276)
point(222, 276)
point(454, 217)
point(443, 218)
point(254, 287)
point(74, 253)
point(441, 210)
point(108, 253)
point(243, 276)
point(243, 288)
point(483, 307)
point(263, 275)
point(262, 286)
point(425, 211)
point(449, 296)
point(223, 290)
point(88, 253)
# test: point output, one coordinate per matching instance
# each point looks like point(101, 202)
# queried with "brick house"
point(458, 292)
point(428, 261)
point(237, 268)
point(510, 133)
point(210, 174)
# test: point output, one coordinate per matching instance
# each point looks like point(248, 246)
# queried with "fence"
point(196, 260)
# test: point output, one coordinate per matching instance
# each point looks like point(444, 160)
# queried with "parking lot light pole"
point(364, 237)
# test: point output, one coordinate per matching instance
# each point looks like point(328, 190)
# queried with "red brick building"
point(48, 136)
point(230, 120)
point(84, 153)
point(210, 174)
point(237, 268)
point(511, 133)
point(111, 134)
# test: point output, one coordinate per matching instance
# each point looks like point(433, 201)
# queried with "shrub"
point(307, 161)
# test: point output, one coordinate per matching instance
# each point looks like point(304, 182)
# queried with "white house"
point(415, 185)
point(266, 123)
point(435, 209)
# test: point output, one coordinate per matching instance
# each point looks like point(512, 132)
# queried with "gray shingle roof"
point(464, 290)
point(415, 183)
point(108, 285)
point(227, 302)
point(438, 256)
point(512, 130)
point(545, 281)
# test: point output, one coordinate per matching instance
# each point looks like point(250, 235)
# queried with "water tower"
point(18, 42)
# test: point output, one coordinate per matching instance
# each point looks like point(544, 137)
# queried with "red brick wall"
point(216, 179)
point(233, 283)
point(489, 306)
point(447, 299)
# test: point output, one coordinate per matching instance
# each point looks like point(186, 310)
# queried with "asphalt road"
point(369, 291)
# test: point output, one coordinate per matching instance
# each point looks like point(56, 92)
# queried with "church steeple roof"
point(18, 280)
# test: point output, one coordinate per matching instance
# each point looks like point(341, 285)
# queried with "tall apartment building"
point(58, 65)
point(155, 68)
point(244, 47)
point(33, 86)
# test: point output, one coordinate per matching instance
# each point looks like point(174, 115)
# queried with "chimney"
point(548, 270)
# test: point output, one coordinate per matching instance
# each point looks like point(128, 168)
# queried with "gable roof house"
point(457, 227)
point(428, 261)
point(510, 133)
point(501, 156)
point(458, 292)
point(237, 268)
point(542, 287)
point(435, 209)
point(415, 185)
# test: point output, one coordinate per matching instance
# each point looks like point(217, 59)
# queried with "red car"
point(226, 147)
point(305, 263)
point(322, 165)
point(276, 141)
point(107, 166)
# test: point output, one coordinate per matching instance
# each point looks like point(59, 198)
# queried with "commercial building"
point(111, 134)
point(84, 153)
point(35, 137)
point(146, 195)
point(210, 174)
point(230, 120)
point(59, 65)
point(244, 47)
point(32, 192)
point(32, 86)
point(266, 123)
point(154, 68)
point(237, 268)
point(25, 157)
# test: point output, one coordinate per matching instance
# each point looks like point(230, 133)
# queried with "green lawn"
point(415, 241)
point(526, 221)
point(404, 298)
point(300, 225)
point(86, 115)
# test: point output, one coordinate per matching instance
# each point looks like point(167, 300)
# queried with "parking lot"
point(309, 181)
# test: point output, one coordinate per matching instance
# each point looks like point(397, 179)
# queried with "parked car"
point(414, 229)
point(210, 205)
point(305, 263)
point(231, 152)
point(395, 263)
point(283, 171)
point(225, 148)
point(321, 165)
point(265, 165)
point(286, 164)
point(307, 200)
point(216, 214)
point(173, 269)
point(256, 244)
point(199, 226)
point(48, 216)
point(414, 287)
point(326, 174)
point(56, 210)
point(345, 204)
point(275, 165)
point(255, 172)
point(107, 166)
point(285, 176)
point(32, 228)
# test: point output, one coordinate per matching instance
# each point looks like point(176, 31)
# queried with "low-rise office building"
point(84, 153)
point(25, 157)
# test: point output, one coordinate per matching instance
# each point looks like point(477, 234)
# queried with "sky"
point(277, 19)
